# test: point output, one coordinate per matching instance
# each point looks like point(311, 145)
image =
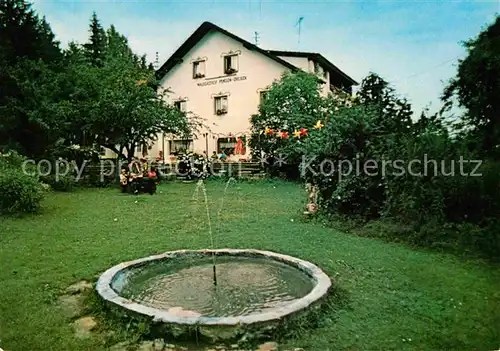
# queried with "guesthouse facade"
point(222, 78)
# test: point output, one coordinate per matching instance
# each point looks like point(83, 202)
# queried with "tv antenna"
point(256, 38)
point(156, 64)
point(299, 25)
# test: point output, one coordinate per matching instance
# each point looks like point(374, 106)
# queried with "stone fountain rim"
point(322, 284)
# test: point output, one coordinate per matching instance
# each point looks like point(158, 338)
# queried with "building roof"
point(315, 57)
point(206, 27)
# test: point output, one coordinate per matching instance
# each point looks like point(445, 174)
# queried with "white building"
point(222, 78)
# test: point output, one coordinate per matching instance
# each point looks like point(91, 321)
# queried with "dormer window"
point(230, 64)
point(317, 68)
point(198, 69)
point(180, 105)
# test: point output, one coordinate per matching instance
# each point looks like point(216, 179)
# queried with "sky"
point(415, 45)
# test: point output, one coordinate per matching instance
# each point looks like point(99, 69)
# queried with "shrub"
point(437, 207)
point(292, 103)
point(20, 192)
point(98, 175)
point(61, 183)
point(347, 139)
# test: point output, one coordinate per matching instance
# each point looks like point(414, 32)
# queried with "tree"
point(130, 113)
point(394, 113)
point(476, 86)
point(96, 47)
point(291, 103)
point(115, 103)
point(24, 35)
point(30, 67)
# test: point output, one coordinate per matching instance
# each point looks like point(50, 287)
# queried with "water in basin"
point(244, 285)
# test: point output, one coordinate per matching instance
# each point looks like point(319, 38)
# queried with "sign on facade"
point(222, 81)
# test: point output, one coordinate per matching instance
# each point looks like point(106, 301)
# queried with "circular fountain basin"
point(176, 289)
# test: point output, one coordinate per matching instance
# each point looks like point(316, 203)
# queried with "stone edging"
point(320, 289)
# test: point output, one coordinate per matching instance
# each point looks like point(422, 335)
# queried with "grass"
point(399, 298)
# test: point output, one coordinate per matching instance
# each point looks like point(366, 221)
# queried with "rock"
point(84, 326)
point(156, 345)
point(268, 346)
point(72, 305)
point(159, 344)
point(122, 346)
point(146, 346)
point(79, 287)
point(179, 311)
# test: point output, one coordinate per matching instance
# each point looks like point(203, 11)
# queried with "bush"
point(62, 183)
point(20, 192)
point(437, 208)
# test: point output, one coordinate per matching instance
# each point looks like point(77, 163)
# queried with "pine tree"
point(95, 49)
point(24, 35)
point(29, 58)
point(394, 112)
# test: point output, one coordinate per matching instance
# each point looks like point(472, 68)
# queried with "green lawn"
point(399, 298)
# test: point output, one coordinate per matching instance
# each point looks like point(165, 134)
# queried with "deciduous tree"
point(476, 86)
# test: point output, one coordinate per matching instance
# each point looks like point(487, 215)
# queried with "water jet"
point(225, 294)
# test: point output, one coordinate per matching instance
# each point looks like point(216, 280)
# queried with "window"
point(180, 105)
point(263, 95)
point(230, 64)
point(220, 105)
point(226, 145)
point(144, 150)
point(198, 69)
point(180, 146)
point(317, 68)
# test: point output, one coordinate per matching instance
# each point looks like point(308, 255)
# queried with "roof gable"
point(206, 27)
point(315, 57)
point(198, 34)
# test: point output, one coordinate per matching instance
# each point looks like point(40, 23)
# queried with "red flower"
point(283, 135)
point(303, 131)
point(269, 131)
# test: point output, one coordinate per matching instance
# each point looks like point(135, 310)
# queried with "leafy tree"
point(477, 88)
point(291, 103)
point(129, 114)
point(115, 103)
